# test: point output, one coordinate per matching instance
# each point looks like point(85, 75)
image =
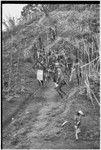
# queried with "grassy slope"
point(20, 135)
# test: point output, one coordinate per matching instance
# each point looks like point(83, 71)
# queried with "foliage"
point(27, 10)
point(69, 29)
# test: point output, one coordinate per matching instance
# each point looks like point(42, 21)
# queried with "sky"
point(12, 10)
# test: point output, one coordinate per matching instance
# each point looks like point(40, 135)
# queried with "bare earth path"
point(39, 126)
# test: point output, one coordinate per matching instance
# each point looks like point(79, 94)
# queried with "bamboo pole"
point(89, 62)
point(95, 97)
point(73, 69)
point(10, 70)
point(16, 73)
point(88, 91)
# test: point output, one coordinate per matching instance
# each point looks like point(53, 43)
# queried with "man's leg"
point(60, 86)
point(39, 83)
point(80, 77)
point(76, 135)
point(59, 92)
point(42, 82)
point(77, 78)
point(69, 68)
point(77, 132)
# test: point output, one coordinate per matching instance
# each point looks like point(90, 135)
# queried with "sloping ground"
point(37, 121)
point(12, 106)
point(39, 124)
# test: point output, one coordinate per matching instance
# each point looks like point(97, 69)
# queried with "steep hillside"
point(32, 116)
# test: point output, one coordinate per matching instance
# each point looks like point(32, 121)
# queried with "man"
point(77, 123)
point(40, 76)
point(52, 34)
point(49, 74)
point(40, 73)
point(78, 71)
point(46, 76)
point(69, 61)
point(34, 51)
point(60, 82)
point(55, 75)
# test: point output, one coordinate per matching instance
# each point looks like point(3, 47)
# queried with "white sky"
point(12, 10)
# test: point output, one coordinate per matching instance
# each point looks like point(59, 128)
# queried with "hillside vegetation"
point(65, 30)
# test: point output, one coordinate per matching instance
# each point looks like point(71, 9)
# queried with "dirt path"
point(39, 126)
point(20, 106)
point(48, 128)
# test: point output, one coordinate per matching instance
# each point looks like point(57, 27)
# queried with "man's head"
point(80, 113)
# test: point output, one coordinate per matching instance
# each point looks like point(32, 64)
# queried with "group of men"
point(52, 73)
point(49, 67)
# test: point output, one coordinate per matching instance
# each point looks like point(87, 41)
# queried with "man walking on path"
point(77, 123)
point(60, 82)
point(40, 74)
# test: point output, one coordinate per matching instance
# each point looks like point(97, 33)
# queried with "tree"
point(27, 10)
point(30, 8)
